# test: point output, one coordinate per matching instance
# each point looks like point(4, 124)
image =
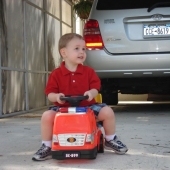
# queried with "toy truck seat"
point(98, 98)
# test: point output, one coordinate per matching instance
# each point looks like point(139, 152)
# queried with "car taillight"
point(55, 139)
point(90, 139)
point(92, 35)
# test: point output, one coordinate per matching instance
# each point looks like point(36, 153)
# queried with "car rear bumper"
point(133, 65)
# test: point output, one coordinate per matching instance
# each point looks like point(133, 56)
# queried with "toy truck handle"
point(74, 100)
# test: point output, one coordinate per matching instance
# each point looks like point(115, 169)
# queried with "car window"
point(129, 4)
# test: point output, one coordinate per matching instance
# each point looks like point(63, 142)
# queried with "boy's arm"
point(91, 93)
point(55, 97)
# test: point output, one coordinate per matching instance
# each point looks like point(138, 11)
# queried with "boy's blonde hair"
point(67, 38)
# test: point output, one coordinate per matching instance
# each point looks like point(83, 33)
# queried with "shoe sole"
point(42, 159)
point(120, 153)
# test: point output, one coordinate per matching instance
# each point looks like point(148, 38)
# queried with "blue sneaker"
point(116, 145)
point(42, 154)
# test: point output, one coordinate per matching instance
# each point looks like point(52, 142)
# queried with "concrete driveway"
point(145, 129)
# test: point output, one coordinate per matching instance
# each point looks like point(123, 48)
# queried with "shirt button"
point(73, 74)
point(73, 81)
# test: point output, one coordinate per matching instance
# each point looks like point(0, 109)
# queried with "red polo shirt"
point(61, 80)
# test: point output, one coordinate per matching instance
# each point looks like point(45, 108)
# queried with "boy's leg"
point(47, 121)
point(106, 115)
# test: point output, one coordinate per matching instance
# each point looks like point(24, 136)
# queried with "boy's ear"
point(62, 52)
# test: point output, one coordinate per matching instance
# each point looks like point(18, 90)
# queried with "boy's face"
point(75, 52)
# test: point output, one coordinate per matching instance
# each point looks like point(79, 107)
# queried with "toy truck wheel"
point(101, 146)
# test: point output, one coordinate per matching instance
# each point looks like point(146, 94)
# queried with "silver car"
point(128, 45)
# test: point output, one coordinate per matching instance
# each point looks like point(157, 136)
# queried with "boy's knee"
point(48, 115)
point(106, 112)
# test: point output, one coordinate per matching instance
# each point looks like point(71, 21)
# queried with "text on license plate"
point(156, 30)
point(72, 155)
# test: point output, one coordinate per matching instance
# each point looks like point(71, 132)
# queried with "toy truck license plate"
point(72, 155)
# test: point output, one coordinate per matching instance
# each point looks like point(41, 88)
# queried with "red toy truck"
point(75, 132)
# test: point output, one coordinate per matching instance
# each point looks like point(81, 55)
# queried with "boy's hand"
point(88, 93)
point(91, 93)
point(58, 98)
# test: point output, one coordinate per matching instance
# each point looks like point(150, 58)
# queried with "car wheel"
point(110, 98)
point(101, 146)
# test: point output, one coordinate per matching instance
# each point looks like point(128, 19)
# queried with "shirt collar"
point(65, 71)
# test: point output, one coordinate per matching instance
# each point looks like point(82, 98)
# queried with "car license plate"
point(155, 30)
point(72, 155)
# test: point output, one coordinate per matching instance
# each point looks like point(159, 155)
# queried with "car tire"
point(101, 146)
point(110, 98)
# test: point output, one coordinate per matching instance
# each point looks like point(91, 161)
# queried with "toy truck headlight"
point(90, 138)
point(55, 139)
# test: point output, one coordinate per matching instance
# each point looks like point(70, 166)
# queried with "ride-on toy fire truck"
point(75, 132)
